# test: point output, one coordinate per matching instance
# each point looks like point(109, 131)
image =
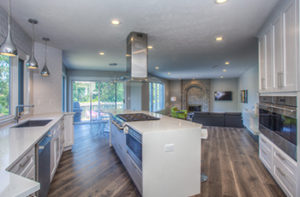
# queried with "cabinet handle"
point(280, 157)
point(282, 174)
point(25, 162)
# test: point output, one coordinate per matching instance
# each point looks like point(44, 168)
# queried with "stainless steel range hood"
point(137, 55)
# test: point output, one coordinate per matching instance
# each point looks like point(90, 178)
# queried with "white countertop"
point(165, 123)
point(14, 143)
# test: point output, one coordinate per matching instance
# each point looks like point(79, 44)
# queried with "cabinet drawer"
point(285, 178)
point(24, 164)
point(285, 160)
point(135, 174)
point(265, 142)
point(265, 154)
point(30, 173)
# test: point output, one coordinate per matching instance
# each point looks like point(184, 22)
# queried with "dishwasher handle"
point(43, 143)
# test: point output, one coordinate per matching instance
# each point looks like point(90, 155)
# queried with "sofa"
point(227, 119)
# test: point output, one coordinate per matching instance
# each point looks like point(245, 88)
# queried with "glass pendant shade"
point(8, 47)
point(45, 71)
point(32, 63)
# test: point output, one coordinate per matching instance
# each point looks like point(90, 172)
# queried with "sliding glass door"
point(90, 98)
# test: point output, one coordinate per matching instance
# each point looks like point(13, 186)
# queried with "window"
point(21, 83)
point(4, 85)
point(64, 91)
point(157, 96)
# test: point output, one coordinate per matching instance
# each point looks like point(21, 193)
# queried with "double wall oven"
point(278, 122)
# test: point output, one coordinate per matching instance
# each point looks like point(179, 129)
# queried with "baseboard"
point(255, 137)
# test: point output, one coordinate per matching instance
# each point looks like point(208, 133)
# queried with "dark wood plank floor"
point(229, 158)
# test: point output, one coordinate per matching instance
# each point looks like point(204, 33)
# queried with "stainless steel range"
point(120, 119)
point(134, 139)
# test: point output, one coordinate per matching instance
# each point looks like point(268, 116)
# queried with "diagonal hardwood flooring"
point(229, 158)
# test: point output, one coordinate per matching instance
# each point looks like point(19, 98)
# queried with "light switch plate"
point(169, 148)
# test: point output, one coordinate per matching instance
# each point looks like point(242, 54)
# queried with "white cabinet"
point(57, 148)
point(262, 63)
point(291, 36)
point(68, 131)
point(280, 165)
point(269, 60)
point(278, 52)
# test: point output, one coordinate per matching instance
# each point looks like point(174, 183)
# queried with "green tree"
point(4, 85)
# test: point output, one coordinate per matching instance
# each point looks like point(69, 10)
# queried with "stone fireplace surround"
point(195, 93)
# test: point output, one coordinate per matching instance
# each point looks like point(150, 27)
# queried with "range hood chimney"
point(137, 52)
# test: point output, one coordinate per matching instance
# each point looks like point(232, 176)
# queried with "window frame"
point(14, 86)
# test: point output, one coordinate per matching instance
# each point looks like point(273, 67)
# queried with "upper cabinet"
point(278, 52)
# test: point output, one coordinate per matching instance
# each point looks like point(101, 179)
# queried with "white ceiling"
point(182, 32)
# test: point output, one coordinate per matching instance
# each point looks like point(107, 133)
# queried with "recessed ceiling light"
point(221, 1)
point(221, 77)
point(224, 70)
point(115, 22)
point(156, 67)
point(169, 73)
point(101, 53)
point(127, 55)
point(227, 63)
point(219, 38)
point(150, 47)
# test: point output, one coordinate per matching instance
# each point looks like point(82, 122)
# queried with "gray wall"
point(249, 81)
point(224, 85)
point(47, 91)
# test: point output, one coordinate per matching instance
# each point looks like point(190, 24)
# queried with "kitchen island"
point(162, 155)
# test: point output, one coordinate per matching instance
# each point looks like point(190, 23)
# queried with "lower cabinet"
point(26, 165)
point(118, 141)
point(280, 165)
point(68, 131)
point(57, 146)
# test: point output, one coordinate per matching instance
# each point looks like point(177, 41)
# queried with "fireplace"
point(195, 108)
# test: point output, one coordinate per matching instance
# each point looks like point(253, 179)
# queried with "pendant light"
point(32, 63)
point(8, 47)
point(45, 71)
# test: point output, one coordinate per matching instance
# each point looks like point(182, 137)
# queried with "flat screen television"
point(223, 96)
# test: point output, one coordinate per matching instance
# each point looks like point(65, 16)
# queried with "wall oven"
point(278, 122)
point(134, 146)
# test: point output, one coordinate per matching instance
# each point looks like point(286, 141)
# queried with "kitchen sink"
point(33, 123)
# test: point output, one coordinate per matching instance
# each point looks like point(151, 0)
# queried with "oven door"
point(285, 123)
point(134, 149)
point(265, 116)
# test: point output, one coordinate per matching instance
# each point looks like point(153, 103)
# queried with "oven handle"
point(282, 108)
point(121, 128)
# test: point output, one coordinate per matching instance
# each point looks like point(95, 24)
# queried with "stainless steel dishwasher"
point(43, 164)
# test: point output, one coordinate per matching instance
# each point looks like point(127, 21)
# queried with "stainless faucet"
point(18, 113)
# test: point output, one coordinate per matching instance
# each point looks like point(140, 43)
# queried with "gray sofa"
point(227, 119)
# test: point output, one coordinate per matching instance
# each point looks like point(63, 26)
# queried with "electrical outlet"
point(169, 148)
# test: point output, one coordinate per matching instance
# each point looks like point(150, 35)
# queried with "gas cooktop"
point(136, 117)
